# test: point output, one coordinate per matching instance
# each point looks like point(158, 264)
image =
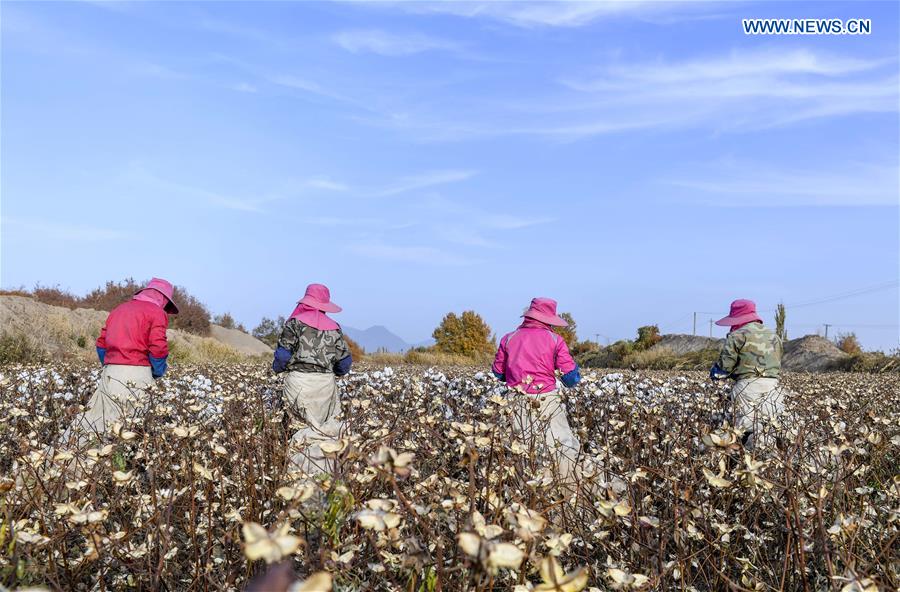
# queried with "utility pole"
point(695, 323)
point(710, 327)
point(597, 338)
point(826, 330)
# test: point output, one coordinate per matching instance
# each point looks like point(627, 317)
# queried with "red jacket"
point(134, 331)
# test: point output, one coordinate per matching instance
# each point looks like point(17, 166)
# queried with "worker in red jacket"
point(133, 350)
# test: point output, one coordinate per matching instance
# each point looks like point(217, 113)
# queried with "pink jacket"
point(530, 355)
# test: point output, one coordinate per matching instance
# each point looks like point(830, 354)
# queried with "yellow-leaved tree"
point(466, 334)
point(568, 333)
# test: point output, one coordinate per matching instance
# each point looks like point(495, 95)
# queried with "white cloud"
point(732, 67)
point(400, 185)
point(465, 236)
point(424, 181)
point(335, 221)
point(738, 92)
point(482, 218)
point(556, 13)
point(312, 87)
point(738, 184)
point(244, 87)
point(408, 254)
point(327, 184)
point(245, 33)
point(391, 44)
point(141, 177)
point(50, 230)
point(741, 91)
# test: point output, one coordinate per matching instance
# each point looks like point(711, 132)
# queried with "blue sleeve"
point(101, 353)
point(716, 372)
point(571, 378)
point(342, 367)
point(158, 366)
point(499, 375)
point(282, 357)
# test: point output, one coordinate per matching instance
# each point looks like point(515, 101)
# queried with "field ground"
point(661, 503)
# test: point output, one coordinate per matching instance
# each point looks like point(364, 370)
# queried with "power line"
point(833, 298)
point(843, 295)
point(847, 325)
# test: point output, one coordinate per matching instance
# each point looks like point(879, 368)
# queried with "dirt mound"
point(812, 353)
point(246, 344)
point(685, 344)
point(61, 332)
point(54, 330)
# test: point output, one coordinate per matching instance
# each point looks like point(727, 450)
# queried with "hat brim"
point(170, 307)
point(554, 320)
point(738, 320)
point(319, 305)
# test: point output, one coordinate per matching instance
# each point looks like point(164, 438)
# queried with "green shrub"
point(648, 336)
point(870, 362)
point(110, 296)
point(568, 333)
point(623, 354)
point(19, 350)
point(779, 322)
point(55, 296)
point(848, 343)
point(203, 350)
point(422, 356)
point(268, 330)
point(192, 317)
point(438, 358)
point(225, 320)
point(653, 359)
point(583, 347)
point(611, 356)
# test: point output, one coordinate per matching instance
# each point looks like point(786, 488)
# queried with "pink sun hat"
point(544, 310)
point(742, 311)
point(165, 288)
point(319, 297)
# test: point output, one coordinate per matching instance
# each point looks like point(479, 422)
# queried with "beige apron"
point(756, 403)
point(550, 418)
point(118, 392)
point(313, 395)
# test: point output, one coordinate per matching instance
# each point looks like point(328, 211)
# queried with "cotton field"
point(431, 490)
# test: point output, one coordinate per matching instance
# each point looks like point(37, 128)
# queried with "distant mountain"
point(377, 338)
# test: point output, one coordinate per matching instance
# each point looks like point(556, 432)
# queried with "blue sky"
point(638, 161)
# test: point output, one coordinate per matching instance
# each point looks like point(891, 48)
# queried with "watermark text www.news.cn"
point(807, 26)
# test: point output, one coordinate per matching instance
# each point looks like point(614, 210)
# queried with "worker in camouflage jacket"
point(751, 357)
point(312, 351)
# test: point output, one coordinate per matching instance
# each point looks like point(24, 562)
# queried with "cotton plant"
point(428, 484)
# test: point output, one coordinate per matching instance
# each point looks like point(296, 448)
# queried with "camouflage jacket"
point(312, 350)
point(751, 351)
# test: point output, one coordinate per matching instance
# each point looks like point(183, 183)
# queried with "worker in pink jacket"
point(528, 360)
